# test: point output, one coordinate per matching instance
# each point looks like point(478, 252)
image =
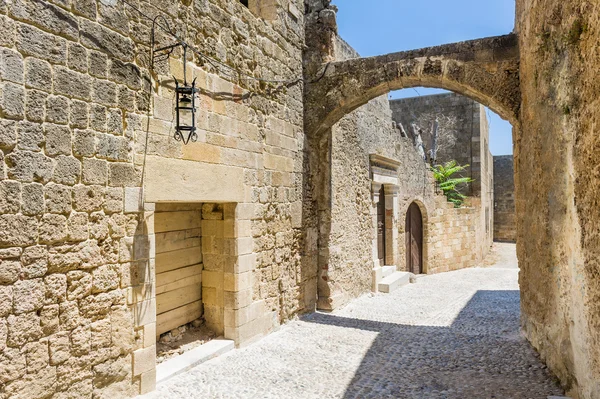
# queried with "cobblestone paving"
point(451, 335)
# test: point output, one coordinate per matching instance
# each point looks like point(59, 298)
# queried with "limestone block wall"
point(460, 129)
point(556, 186)
point(86, 157)
point(452, 241)
point(505, 223)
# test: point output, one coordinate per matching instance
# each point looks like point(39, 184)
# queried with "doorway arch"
point(413, 235)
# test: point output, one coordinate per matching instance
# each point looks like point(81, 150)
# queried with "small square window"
point(244, 2)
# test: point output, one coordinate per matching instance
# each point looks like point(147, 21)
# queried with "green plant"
point(443, 176)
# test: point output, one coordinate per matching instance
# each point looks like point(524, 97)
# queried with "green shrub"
point(447, 183)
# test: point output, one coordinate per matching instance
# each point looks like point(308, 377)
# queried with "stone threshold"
point(182, 363)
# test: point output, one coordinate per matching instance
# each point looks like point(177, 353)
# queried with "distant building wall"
point(505, 228)
point(463, 136)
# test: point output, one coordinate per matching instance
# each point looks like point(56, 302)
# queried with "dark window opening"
point(244, 2)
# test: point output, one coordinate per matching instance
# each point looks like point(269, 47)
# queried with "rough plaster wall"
point(556, 152)
point(505, 223)
point(75, 93)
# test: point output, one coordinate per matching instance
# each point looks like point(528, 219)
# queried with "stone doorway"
point(192, 254)
point(381, 227)
point(414, 239)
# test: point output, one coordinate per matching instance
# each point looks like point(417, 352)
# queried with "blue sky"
point(384, 26)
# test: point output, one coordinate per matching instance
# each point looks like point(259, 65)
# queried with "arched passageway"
point(486, 70)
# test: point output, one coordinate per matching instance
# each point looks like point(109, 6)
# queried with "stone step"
point(192, 358)
point(387, 270)
point(393, 282)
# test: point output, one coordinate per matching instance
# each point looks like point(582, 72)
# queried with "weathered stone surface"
point(81, 341)
point(67, 170)
point(18, 230)
point(79, 284)
point(101, 336)
point(88, 198)
point(114, 200)
point(34, 42)
point(67, 257)
point(58, 140)
point(49, 319)
point(34, 386)
point(52, 228)
point(125, 73)
point(84, 143)
point(35, 104)
point(9, 271)
point(77, 58)
point(58, 198)
point(35, 261)
point(6, 301)
point(96, 36)
point(95, 171)
point(29, 166)
point(8, 133)
point(31, 136)
point(105, 278)
point(56, 288)
point(96, 306)
point(10, 196)
point(12, 100)
point(11, 66)
point(123, 174)
point(36, 355)
point(12, 365)
point(28, 295)
point(23, 328)
point(71, 83)
point(77, 226)
point(113, 148)
point(60, 348)
point(38, 74)
point(78, 117)
point(57, 109)
point(33, 199)
point(112, 371)
point(69, 315)
point(46, 15)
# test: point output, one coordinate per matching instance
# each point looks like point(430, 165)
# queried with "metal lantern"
point(185, 107)
point(185, 111)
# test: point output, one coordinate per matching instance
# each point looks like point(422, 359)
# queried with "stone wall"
point(505, 223)
point(368, 130)
point(87, 155)
point(463, 135)
point(451, 238)
point(556, 186)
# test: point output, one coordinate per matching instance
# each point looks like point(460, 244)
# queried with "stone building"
point(463, 136)
point(112, 231)
point(505, 223)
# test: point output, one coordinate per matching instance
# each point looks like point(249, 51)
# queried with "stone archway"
point(486, 70)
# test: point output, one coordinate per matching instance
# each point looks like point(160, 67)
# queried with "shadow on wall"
point(472, 358)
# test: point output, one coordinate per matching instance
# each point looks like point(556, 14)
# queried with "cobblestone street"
point(451, 335)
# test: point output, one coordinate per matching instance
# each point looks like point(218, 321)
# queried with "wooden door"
point(381, 227)
point(414, 239)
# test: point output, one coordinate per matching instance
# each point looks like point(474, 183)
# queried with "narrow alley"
point(450, 335)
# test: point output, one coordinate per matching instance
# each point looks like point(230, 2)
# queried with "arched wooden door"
point(414, 239)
